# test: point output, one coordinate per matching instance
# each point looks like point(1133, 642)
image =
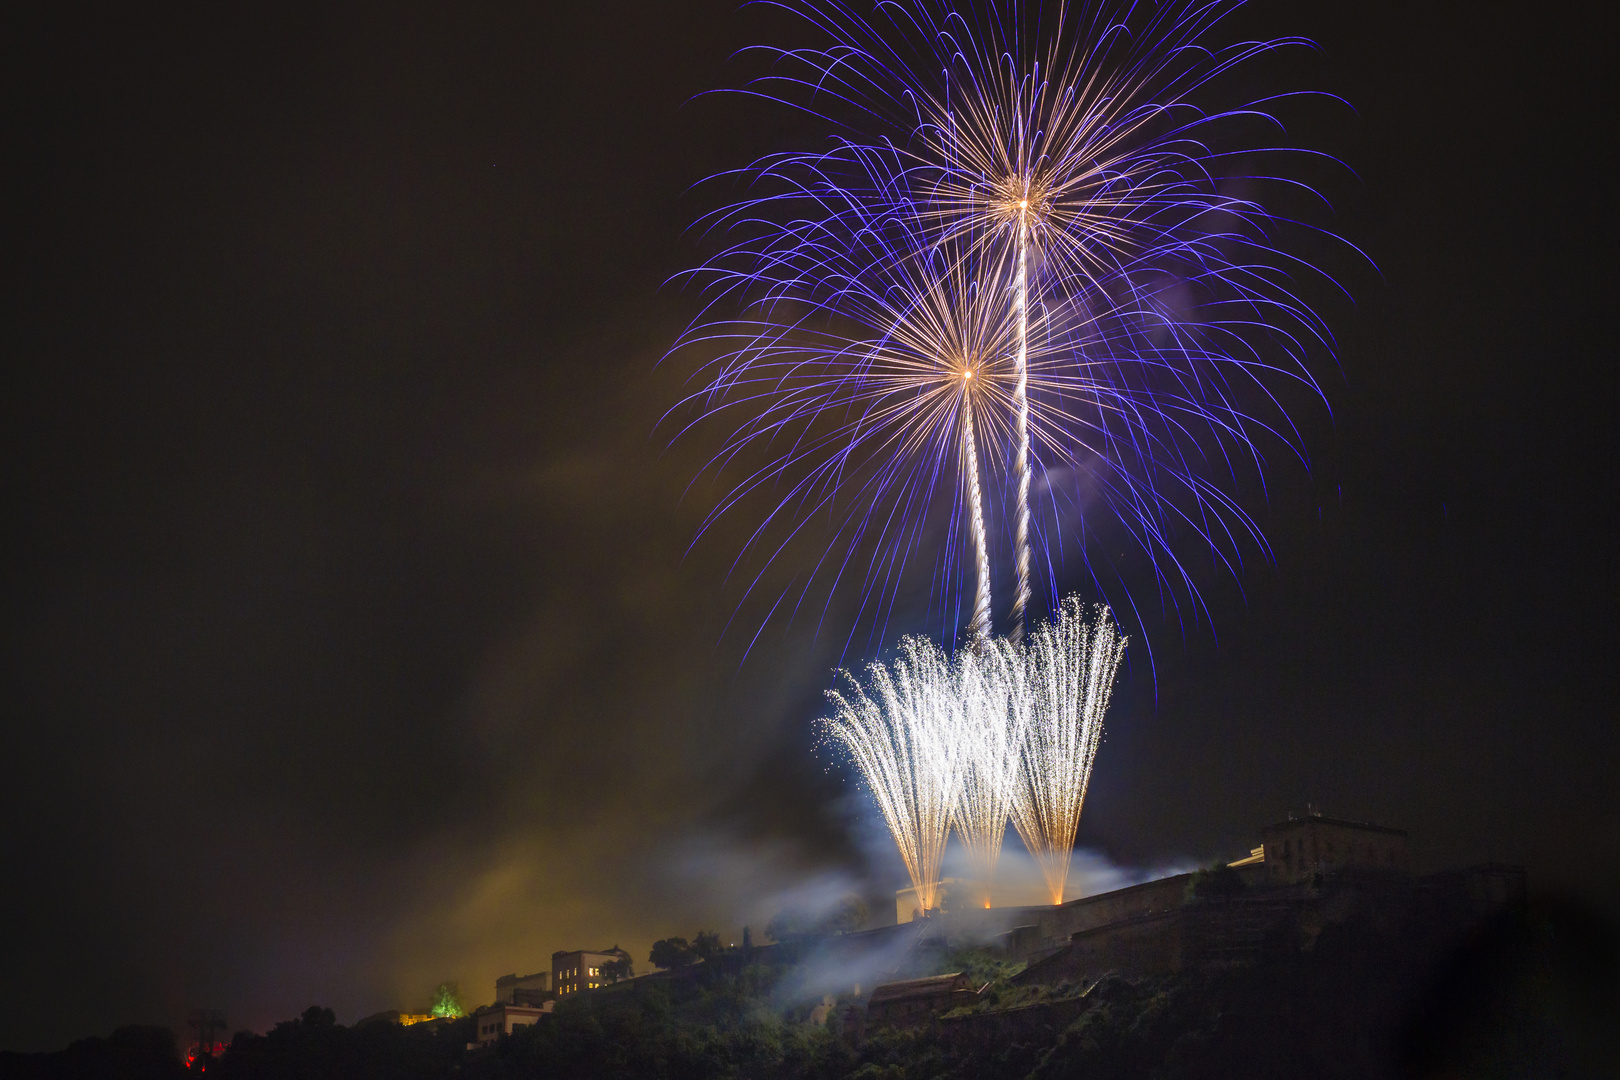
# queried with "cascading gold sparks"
point(992, 744)
point(1003, 729)
point(905, 738)
point(1068, 671)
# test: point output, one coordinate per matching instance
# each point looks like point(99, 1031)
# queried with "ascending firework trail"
point(1022, 466)
point(975, 497)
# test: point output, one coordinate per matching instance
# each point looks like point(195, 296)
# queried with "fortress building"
point(1305, 869)
point(1308, 873)
point(493, 1021)
point(524, 989)
point(1301, 847)
point(581, 969)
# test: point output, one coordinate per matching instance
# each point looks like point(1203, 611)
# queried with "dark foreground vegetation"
point(1531, 995)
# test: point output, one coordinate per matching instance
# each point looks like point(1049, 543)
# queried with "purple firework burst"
point(1035, 257)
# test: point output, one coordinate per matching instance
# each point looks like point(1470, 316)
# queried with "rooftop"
point(507, 1006)
point(1318, 819)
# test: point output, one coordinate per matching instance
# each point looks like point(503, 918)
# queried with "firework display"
point(1092, 170)
point(992, 739)
point(1031, 286)
point(1003, 730)
point(905, 736)
point(876, 368)
point(1068, 672)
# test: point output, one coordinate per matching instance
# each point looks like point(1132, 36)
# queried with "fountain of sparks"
point(991, 755)
point(1068, 674)
point(904, 735)
point(1002, 730)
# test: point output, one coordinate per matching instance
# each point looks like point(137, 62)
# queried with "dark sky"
point(349, 643)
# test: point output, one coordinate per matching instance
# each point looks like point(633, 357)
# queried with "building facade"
point(1296, 850)
point(573, 972)
point(524, 989)
point(493, 1021)
point(1293, 852)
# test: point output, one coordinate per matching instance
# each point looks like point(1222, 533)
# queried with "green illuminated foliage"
point(447, 1000)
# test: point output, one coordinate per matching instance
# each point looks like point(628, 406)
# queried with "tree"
point(790, 924)
point(447, 1000)
point(707, 945)
point(672, 953)
point(849, 916)
point(317, 1016)
point(617, 969)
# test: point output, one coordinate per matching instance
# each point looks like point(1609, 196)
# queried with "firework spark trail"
point(1023, 467)
point(992, 736)
point(981, 542)
point(1069, 668)
point(905, 739)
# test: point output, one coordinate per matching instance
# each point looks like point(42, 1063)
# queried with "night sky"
point(351, 642)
